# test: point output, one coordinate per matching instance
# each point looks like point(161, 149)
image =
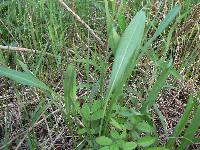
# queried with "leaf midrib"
point(113, 83)
point(19, 77)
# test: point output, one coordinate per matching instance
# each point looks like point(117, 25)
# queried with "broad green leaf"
point(69, 87)
point(113, 37)
point(135, 135)
point(145, 127)
point(135, 119)
point(116, 124)
point(23, 78)
point(102, 140)
point(96, 106)
point(191, 131)
point(158, 148)
point(113, 40)
point(127, 48)
point(146, 141)
point(114, 134)
point(123, 135)
point(181, 124)
point(129, 145)
point(97, 115)
point(126, 51)
point(120, 143)
point(114, 147)
point(121, 17)
point(105, 148)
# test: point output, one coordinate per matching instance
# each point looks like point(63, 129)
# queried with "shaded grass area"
point(29, 118)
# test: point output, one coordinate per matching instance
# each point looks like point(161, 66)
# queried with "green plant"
point(103, 121)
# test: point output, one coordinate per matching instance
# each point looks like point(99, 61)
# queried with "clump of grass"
point(101, 117)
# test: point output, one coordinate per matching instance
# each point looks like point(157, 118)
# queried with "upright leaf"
point(128, 48)
point(181, 124)
point(121, 17)
point(69, 87)
point(113, 37)
point(155, 90)
point(190, 131)
point(167, 20)
point(23, 78)
point(113, 40)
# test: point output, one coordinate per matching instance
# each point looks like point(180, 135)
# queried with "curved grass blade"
point(168, 19)
point(190, 131)
point(128, 47)
point(155, 90)
point(181, 124)
point(23, 78)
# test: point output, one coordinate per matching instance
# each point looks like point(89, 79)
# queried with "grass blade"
point(23, 78)
point(113, 37)
point(181, 124)
point(69, 96)
point(121, 17)
point(155, 90)
point(168, 19)
point(190, 131)
point(69, 87)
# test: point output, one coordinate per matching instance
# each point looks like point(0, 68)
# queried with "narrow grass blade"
point(190, 131)
point(121, 17)
point(70, 96)
point(181, 124)
point(113, 37)
point(155, 90)
point(69, 87)
point(168, 19)
point(161, 117)
point(24, 66)
point(113, 40)
point(109, 20)
point(23, 78)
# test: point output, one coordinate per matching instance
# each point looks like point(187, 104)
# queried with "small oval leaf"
point(146, 141)
point(102, 140)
